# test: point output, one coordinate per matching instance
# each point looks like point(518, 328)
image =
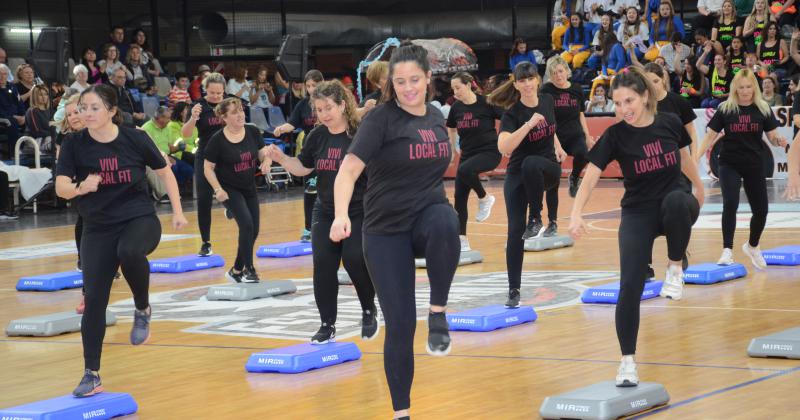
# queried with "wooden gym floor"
point(193, 367)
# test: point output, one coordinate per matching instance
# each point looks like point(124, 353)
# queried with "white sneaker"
point(755, 256)
point(673, 283)
point(464, 244)
point(627, 375)
point(485, 208)
point(726, 258)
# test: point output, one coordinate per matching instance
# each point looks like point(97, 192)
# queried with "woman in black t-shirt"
point(208, 123)
point(745, 117)
point(323, 151)
point(404, 147)
point(725, 27)
point(303, 117)
point(528, 135)
point(652, 151)
point(571, 128)
point(104, 167)
point(231, 162)
point(472, 121)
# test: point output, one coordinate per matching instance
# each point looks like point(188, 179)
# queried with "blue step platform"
point(302, 357)
point(100, 406)
point(284, 250)
point(185, 263)
point(609, 293)
point(785, 255)
point(713, 273)
point(51, 282)
point(489, 318)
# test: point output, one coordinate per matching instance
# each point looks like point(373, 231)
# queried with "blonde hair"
point(554, 61)
point(731, 105)
point(376, 71)
point(63, 125)
point(223, 107)
point(35, 103)
point(338, 94)
point(766, 13)
point(213, 78)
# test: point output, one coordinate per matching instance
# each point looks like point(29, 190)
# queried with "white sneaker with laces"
point(485, 207)
point(673, 283)
point(755, 256)
point(464, 244)
point(627, 375)
point(726, 258)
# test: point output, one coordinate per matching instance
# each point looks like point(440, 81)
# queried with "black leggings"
point(308, 202)
point(467, 179)
point(731, 179)
point(390, 259)
point(4, 191)
point(244, 207)
point(79, 235)
point(540, 178)
point(577, 149)
point(104, 249)
point(328, 255)
point(205, 195)
point(638, 229)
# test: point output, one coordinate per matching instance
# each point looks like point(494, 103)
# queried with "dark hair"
point(676, 37)
point(765, 31)
point(404, 53)
point(742, 49)
point(83, 55)
point(108, 96)
point(701, 32)
point(115, 27)
point(634, 78)
point(133, 38)
point(467, 79)
point(514, 48)
point(655, 69)
point(314, 75)
point(177, 111)
point(607, 41)
point(581, 31)
point(507, 94)
point(181, 74)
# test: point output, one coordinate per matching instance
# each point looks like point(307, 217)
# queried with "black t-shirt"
point(770, 56)
point(737, 62)
point(476, 126)
point(720, 85)
point(236, 163)
point(303, 116)
point(687, 86)
point(406, 157)
point(648, 156)
point(539, 141)
point(324, 152)
point(122, 194)
point(207, 125)
point(742, 143)
point(568, 108)
point(725, 32)
point(678, 105)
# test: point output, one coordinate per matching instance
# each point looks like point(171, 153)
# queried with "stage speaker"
point(292, 58)
point(50, 55)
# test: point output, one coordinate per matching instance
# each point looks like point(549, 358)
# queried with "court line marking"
point(470, 356)
point(717, 392)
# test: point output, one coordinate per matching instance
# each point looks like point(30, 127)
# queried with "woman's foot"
point(673, 283)
point(369, 324)
point(326, 334)
point(754, 253)
point(464, 243)
point(250, 275)
point(438, 334)
point(90, 385)
point(726, 258)
point(234, 276)
point(552, 230)
point(140, 332)
point(485, 207)
point(533, 229)
point(627, 374)
point(513, 299)
point(205, 250)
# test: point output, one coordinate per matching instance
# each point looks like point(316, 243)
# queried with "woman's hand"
point(221, 195)
point(577, 227)
point(90, 184)
point(179, 221)
point(340, 229)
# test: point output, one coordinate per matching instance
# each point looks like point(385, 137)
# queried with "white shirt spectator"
point(711, 5)
point(668, 52)
point(625, 32)
point(594, 17)
point(234, 87)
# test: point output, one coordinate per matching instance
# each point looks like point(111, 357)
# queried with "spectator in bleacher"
point(562, 11)
point(576, 42)
point(593, 12)
point(196, 87)
point(57, 91)
point(692, 83)
point(759, 70)
point(633, 30)
point(179, 92)
point(720, 75)
point(4, 60)
point(11, 108)
point(117, 38)
point(238, 85)
point(139, 70)
point(701, 39)
point(773, 52)
point(753, 31)
point(662, 27)
point(784, 11)
point(377, 75)
point(651, 9)
point(158, 129)
point(139, 38)
point(38, 116)
point(130, 109)
point(605, 28)
point(81, 74)
point(708, 11)
point(292, 97)
point(612, 58)
point(725, 27)
point(599, 102)
point(25, 82)
point(263, 94)
point(736, 54)
point(769, 91)
point(180, 114)
point(88, 59)
point(675, 51)
point(519, 53)
point(110, 63)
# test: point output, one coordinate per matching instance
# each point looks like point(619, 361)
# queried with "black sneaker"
point(6, 215)
point(369, 325)
point(650, 272)
point(513, 299)
point(140, 332)
point(205, 250)
point(574, 184)
point(438, 334)
point(90, 385)
point(249, 275)
point(325, 335)
point(234, 277)
point(552, 230)
point(532, 230)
